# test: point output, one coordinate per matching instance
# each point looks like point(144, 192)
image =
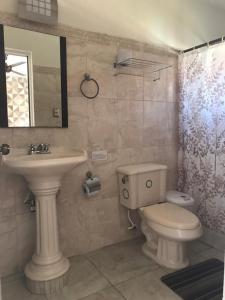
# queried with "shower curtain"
point(202, 132)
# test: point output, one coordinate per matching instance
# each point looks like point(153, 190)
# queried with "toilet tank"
point(142, 185)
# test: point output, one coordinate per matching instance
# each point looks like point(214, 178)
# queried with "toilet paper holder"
point(91, 185)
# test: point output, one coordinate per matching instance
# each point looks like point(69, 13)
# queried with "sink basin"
point(47, 271)
point(55, 164)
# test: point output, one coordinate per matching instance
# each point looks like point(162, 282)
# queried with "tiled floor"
point(116, 272)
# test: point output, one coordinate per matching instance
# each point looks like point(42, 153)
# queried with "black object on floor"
point(203, 281)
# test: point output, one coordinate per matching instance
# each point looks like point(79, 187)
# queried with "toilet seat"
point(171, 216)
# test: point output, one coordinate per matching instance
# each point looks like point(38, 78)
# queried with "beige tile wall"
point(133, 118)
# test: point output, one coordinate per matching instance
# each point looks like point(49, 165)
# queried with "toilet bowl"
point(167, 227)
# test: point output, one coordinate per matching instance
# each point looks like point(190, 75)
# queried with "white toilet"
point(166, 225)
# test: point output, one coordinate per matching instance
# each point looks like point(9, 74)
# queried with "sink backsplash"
point(123, 119)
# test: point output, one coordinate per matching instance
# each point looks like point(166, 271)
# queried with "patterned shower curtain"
point(202, 132)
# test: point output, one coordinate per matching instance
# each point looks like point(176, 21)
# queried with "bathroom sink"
point(48, 268)
point(55, 164)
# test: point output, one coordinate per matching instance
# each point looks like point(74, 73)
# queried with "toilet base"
point(165, 257)
point(164, 251)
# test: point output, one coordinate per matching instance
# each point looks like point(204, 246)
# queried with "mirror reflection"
point(35, 74)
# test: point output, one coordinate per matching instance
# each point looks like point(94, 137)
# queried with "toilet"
point(181, 199)
point(166, 225)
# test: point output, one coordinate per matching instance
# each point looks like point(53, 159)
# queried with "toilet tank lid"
point(140, 168)
point(179, 198)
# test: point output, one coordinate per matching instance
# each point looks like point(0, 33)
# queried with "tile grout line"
point(131, 278)
point(119, 292)
point(110, 283)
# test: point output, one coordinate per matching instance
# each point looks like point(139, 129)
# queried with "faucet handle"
point(31, 146)
point(46, 147)
point(5, 149)
point(31, 149)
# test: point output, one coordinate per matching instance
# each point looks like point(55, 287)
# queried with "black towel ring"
point(87, 77)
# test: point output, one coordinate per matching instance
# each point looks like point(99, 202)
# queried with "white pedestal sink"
point(46, 272)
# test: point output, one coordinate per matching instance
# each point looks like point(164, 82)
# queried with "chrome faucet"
point(4, 149)
point(38, 149)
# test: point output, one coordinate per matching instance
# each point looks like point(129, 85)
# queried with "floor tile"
point(213, 253)
point(122, 261)
point(196, 258)
point(107, 294)
point(16, 290)
point(12, 278)
point(197, 247)
point(84, 280)
point(146, 287)
point(124, 265)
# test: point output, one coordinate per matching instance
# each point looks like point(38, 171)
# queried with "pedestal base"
point(46, 278)
point(47, 287)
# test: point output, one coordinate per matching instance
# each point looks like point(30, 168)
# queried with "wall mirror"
point(33, 79)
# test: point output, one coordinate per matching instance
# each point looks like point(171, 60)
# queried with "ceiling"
point(177, 23)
